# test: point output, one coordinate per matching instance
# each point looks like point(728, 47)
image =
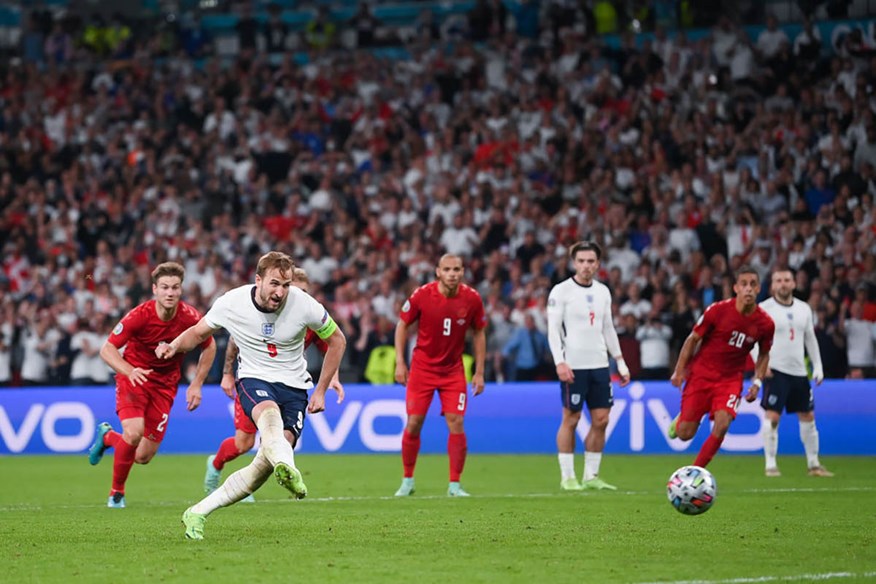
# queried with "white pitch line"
point(794, 578)
point(39, 507)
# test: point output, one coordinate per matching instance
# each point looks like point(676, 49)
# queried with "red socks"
point(708, 451)
point(227, 452)
point(112, 438)
point(457, 447)
point(410, 449)
point(122, 463)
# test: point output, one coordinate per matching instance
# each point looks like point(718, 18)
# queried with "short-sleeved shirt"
point(141, 330)
point(271, 344)
point(443, 323)
point(728, 337)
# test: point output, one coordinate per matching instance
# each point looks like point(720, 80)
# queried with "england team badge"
point(267, 329)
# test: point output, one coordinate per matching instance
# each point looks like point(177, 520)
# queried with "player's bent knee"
point(144, 458)
point(132, 438)
point(685, 432)
point(244, 443)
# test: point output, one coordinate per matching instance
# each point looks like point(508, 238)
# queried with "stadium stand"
point(684, 153)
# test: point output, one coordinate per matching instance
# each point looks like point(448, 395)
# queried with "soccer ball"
point(692, 490)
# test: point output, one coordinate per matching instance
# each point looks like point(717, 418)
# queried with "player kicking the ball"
point(268, 321)
point(244, 430)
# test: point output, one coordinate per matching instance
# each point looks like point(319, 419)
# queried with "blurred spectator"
point(275, 30)
point(654, 337)
point(40, 340)
point(526, 352)
point(365, 24)
point(860, 338)
point(247, 28)
point(320, 32)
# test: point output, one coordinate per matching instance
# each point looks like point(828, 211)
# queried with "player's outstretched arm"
point(479, 342)
point(111, 355)
point(186, 341)
point(205, 361)
point(687, 351)
point(337, 344)
point(401, 341)
point(227, 383)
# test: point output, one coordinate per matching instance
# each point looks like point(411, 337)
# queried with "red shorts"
point(452, 391)
point(703, 396)
point(241, 420)
point(150, 402)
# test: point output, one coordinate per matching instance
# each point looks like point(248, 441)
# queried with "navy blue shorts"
point(791, 393)
point(292, 401)
point(591, 386)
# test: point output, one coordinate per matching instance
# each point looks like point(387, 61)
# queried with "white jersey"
point(580, 328)
point(795, 331)
point(271, 343)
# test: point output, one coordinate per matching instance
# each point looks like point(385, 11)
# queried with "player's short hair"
point(585, 246)
point(746, 269)
point(168, 269)
point(785, 269)
point(274, 260)
point(300, 275)
point(448, 256)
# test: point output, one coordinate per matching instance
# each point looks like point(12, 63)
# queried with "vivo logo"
point(639, 408)
point(333, 439)
point(46, 418)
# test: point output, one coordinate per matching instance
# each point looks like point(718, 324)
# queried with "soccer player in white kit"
point(581, 335)
point(787, 388)
point(268, 322)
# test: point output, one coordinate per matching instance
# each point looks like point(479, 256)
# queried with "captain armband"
point(327, 329)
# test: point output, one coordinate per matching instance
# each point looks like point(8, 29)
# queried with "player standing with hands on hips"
point(445, 310)
point(581, 335)
point(268, 322)
point(786, 386)
point(716, 350)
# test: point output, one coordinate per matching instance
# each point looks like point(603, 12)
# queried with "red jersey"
point(140, 331)
point(728, 337)
point(311, 338)
point(443, 323)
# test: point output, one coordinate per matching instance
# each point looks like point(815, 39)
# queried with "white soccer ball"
point(692, 490)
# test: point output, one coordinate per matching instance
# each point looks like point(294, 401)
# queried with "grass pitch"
point(517, 526)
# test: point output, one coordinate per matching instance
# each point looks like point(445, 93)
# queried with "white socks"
point(274, 443)
point(237, 486)
point(809, 437)
point(592, 461)
point(567, 465)
point(770, 443)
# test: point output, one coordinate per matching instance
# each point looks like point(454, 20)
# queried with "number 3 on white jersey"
point(447, 322)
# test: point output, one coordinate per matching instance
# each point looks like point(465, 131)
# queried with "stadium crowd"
point(683, 159)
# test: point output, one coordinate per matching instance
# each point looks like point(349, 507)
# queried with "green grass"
point(518, 526)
